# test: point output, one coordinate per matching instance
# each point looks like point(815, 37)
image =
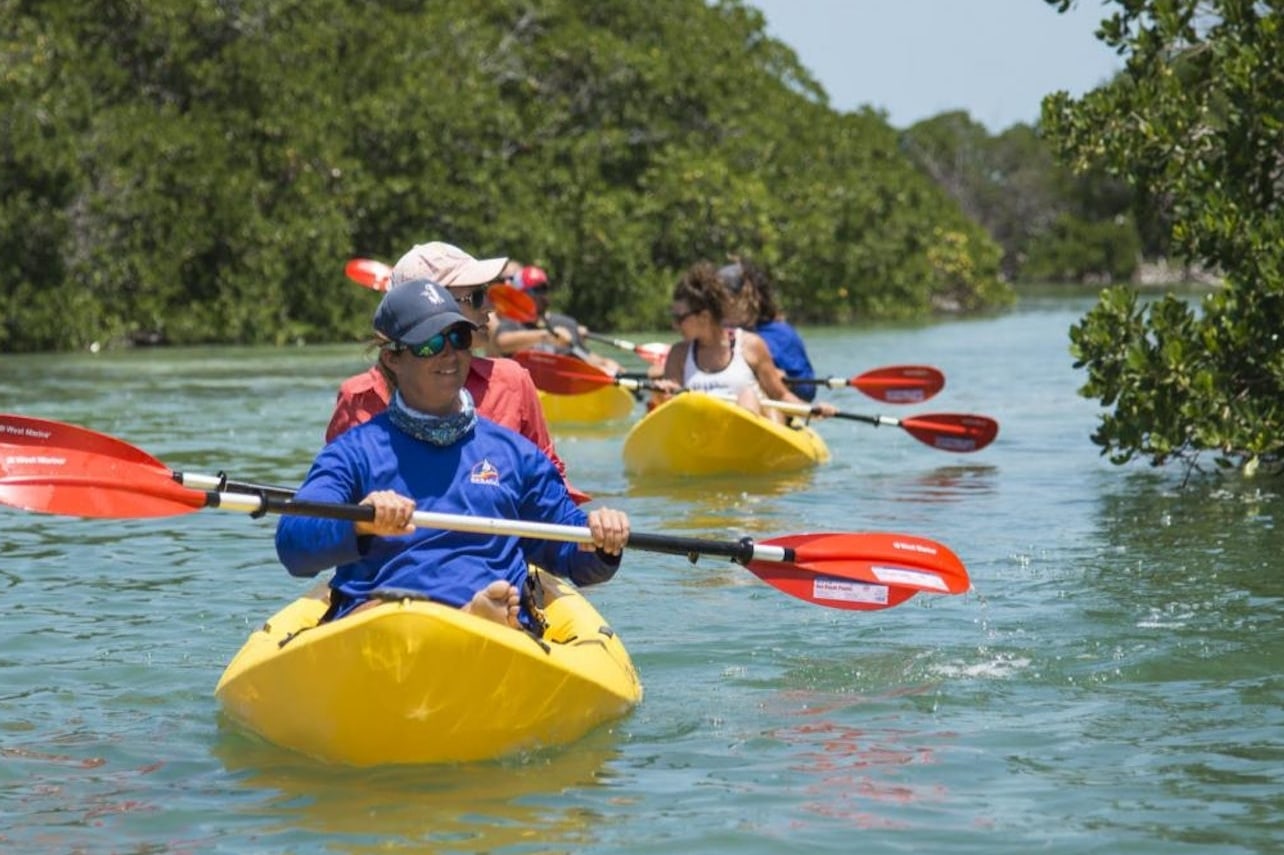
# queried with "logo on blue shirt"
point(484, 473)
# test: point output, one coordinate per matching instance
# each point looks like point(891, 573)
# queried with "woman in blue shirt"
point(754, 308)
point(430, 451)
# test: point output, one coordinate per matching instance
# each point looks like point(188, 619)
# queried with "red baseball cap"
point(530, 277)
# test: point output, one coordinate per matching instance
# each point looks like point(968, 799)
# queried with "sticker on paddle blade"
point(953, 432)
point(45, 433)
point(832, 591)
point(901, 384)
point(847, 591)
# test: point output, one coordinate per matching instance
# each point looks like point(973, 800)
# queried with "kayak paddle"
point(896, 384)
point(566, 375)
point(958, 432)
point(653, 352)
point(515, 304)
point(892, 384)
point(40, 434)
point(372, 274)
point(860, 571)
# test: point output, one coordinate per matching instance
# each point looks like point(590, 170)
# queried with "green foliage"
point(1077, 250)
point(1181, 383)
point(1195, 125)
point(196, 171)
point(955, 261)
point(1051, 224)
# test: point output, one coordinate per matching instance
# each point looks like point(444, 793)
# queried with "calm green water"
point(1113, 683)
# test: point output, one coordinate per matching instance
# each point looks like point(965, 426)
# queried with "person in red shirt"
point(502, 390)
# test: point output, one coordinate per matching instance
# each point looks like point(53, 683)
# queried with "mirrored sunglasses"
point(460, 338)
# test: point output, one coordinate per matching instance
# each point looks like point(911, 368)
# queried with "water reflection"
point(736, 503)
point(945, 484)
point(473, 806)
point(61, 802)
point(601, 430)
point(853, 760)
point(1203, 544)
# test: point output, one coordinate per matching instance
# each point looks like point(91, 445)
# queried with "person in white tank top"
point(730, 380)
point(713, 359)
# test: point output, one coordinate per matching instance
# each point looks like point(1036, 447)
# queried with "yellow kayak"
point(697, 434)
point(606, 404)
point(420, 682)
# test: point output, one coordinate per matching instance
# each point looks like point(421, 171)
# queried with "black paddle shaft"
point(740, 551)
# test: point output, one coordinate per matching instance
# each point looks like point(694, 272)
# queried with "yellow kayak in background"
point(606, 404)
point(419, 682)
point(697, 434)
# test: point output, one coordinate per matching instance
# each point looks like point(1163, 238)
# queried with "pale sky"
point(996, 59)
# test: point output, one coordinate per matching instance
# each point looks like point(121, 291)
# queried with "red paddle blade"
point(900, 384)
point(45, 433)
point(953, 431)
point(562, 375)
point(885, 558)
point(513, 303)
point(866, 571)
point(374, 275)
point(653, 352)
point(84, 484)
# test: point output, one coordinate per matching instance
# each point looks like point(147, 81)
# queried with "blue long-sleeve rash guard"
point(789, 353)
point(494, 473)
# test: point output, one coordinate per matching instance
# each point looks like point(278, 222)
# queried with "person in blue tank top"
point(753, 307)
point(430, 451)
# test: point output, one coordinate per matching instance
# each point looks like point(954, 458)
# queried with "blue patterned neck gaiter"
point(438, 430)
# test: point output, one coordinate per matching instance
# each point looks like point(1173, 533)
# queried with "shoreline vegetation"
point(174, 181)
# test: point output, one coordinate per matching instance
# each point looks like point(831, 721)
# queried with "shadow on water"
point(527, 799)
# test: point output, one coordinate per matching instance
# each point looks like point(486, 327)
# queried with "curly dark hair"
point(751, 284)
point(701, 289)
